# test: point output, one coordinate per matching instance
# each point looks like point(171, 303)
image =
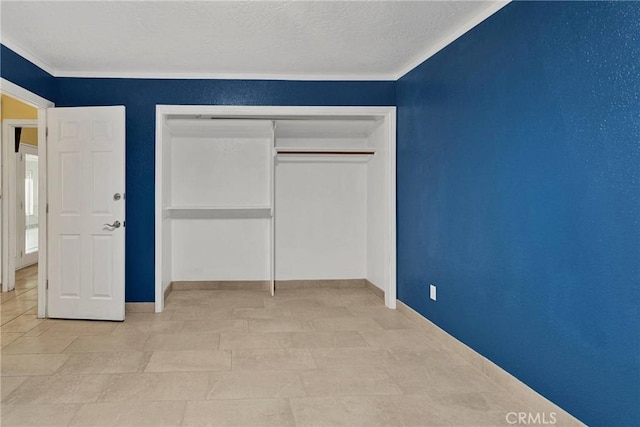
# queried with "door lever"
point(116, 224)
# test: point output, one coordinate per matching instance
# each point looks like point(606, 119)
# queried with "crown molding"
point(34, 59)
point(451, 37)
point(225, 76)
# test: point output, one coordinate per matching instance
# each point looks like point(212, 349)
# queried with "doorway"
point(32, 237)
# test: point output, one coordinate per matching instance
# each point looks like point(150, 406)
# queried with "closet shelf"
point(218, 212)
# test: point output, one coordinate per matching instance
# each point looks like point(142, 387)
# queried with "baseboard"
point(167, 290)
point(139, 307)
point(183, 285)
point(219, 285)
point(498, 375)
point(373, 288)
point(320, 283)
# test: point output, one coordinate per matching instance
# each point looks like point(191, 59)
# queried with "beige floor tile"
point(40, 328)
point(332, 339)
point(311, 313)
point(433, 380)
point(156, 386)
point(348, 382)
point(201, 313)
point(149, 317)
point(349, 300)
point(59, 389)
point(346, 411)
point(6, 296)
point(272, 359)
point(129, 414)
point(29, 295)
point(189, 360)
point(360, 357)
point(422, 411)
point(278, 325)
point(22, 323)
point(103, 363)
point(16, 305)
point(406, 338)
point(100, 343)
point(80, 327)
point(235, 340)
point(31, 364)
point(9, 384)
point(387, 318)
point(184, 341)
point(345, 324)
point(40, 344)
point(8, 316)
point(212, 326)
point(421, 356)
point(262, 313)
point(147, 327)
point(299, 302)
point(244, 412)
point(256, 385)
point(38, 415)
point(7, 338)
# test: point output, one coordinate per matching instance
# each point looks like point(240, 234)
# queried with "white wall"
point(220, 172)
point(220, 249)
point(321, 215)
point(377, 209)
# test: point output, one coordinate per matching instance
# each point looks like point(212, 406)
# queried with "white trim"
point(24, 95)
point(20, 93)
point(159, 292)
point(269, 112)
point(451, 37)
point(228, 76)
point(43, 196)
point(391, 293)
point(34, 59)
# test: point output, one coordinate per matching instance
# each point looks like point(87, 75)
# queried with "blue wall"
point(18, 70)
point(140, 98)
point(519, 197)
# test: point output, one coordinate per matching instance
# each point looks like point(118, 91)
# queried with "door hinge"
point(47, 285)
point(47, 210)
point(46, 132)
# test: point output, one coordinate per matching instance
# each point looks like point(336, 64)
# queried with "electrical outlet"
point(432, 292)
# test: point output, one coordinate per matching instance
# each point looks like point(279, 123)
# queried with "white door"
point(86, 184)
point(27, 206)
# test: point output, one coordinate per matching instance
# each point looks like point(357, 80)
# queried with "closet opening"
point(275, 198)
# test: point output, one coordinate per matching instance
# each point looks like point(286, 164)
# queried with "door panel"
point(86, 149)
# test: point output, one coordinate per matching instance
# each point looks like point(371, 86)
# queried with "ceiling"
point(235, 39)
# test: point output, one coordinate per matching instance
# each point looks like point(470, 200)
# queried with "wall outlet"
point(432, 292)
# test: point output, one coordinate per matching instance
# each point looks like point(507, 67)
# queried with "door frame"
point(9, 199)
point(30, 98)
point(32, 258)
point(269, 112)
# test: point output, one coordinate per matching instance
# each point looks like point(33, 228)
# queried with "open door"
point(86, 212)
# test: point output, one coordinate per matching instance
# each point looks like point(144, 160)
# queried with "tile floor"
point(312, 357)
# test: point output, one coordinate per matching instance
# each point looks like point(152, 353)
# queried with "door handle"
point(116, 224)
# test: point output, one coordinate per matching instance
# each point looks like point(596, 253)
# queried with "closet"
point(272, 197)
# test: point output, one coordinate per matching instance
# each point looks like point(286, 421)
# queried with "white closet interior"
point(274, 198)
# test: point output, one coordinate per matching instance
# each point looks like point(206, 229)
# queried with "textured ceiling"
point(304, 39)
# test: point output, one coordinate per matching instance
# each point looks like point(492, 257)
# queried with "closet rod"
point(341, 153)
